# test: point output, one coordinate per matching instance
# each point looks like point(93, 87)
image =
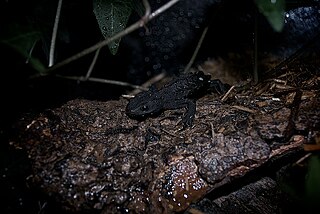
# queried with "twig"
point(93, 63)
point(105, 42)
point(271, 72)
point(243, 108)
point(148, 83)
point(213, 134)
point(162, 9)
point(99, 80)
point(147, 11)
point(195, 53)
point(54, 34)
point(298, 162)
point(42, 207)
point(255, 54)
point(172, 134)
point(30, 52)
point(227, 94)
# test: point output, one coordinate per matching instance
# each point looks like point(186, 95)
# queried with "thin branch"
point(255, 43)
point(162, 9)
point(31, 50)
point(243, 108)
point(271, 72)
point(54, 34)
point(93, 63)
point(195, 53)
point(147, 8)
point(105, 42)
point(115, 82)
point(227, 94)
point(99, 80)
point(148, 83)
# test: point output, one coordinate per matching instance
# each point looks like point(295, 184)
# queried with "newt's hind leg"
point(217, 86)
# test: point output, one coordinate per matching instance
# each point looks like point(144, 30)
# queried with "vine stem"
point(145, 19)
point(195, 53)
point(54, 34)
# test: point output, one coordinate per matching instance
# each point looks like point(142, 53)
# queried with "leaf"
point(112, 17)
point(312, 181)
point(273, 10)
point(22, 39)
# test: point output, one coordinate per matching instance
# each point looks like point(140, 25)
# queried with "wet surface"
point(89, 155)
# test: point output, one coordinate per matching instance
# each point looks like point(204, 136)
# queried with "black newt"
point(181, 92)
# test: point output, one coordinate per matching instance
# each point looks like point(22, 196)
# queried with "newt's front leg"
point(190, 106)
point(188, 118)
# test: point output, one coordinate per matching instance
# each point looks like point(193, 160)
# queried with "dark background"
point(169, 46)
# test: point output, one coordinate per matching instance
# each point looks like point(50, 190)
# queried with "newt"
point(181, 92)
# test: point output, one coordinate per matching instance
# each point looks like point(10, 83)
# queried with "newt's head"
point(143, 105)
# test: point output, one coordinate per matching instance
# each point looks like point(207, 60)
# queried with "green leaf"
point(112, 17)
point(273, 10)
point(22, 39)
point(313, 182)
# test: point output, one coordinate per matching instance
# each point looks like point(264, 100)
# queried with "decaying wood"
point(89, 155)
point(262, 196)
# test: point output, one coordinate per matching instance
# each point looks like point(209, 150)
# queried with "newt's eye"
point(144, 108)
